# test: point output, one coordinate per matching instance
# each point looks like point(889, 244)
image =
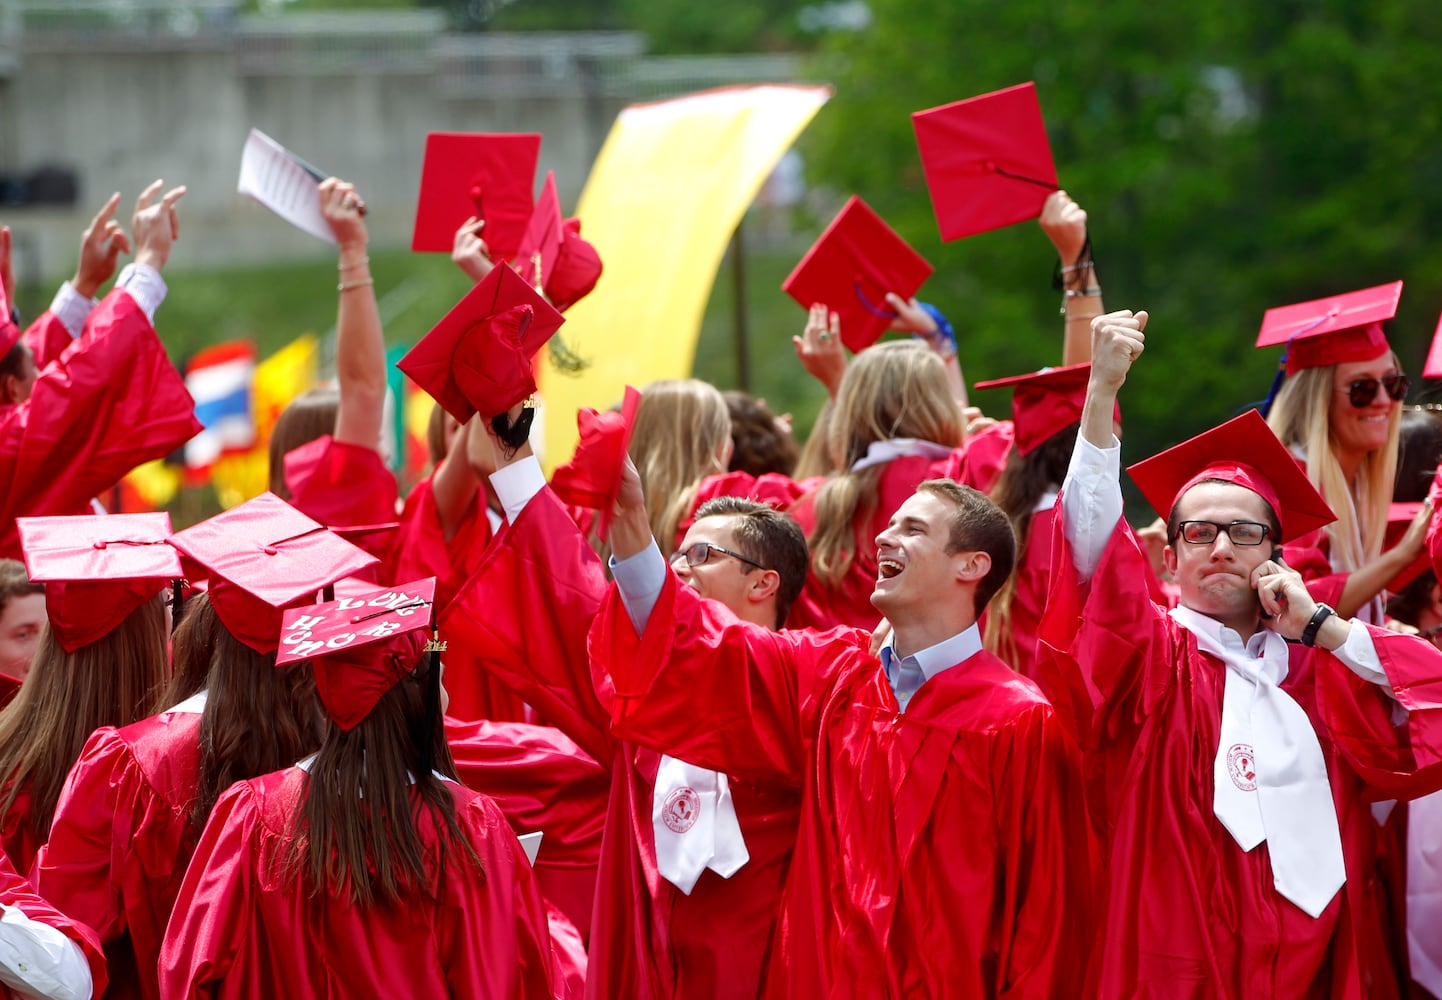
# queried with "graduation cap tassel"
point(177, 602)
point(426, 739)
point(1264, 406)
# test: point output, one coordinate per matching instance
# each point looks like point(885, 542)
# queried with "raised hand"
point(819, 347)
point(155, 227)
point(100, 247)
point(470, 252)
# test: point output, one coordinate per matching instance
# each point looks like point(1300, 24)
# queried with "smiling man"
point(1238, 737)
point(942, 847)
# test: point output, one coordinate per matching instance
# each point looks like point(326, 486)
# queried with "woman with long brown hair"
point(365, 870)
point(102, 659)
point(134, 804)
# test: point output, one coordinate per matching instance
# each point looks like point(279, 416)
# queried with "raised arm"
point(1065, 224)
point(925, 321)
point(360, 350)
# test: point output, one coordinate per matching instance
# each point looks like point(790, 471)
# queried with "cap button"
point(100, 545)
point(270, 550)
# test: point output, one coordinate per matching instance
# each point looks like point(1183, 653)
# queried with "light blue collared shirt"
point(906, 674)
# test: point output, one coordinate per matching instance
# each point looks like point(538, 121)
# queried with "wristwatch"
point(1323, 612)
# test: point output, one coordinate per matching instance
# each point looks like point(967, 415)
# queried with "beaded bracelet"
point(346, 286)
point(359, 263)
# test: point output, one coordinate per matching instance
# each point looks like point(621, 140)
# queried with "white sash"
point(695, 824)
point(881, 452)
point(1269, 775)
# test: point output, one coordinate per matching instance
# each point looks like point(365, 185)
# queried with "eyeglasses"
point(699, 554)
point(1362, 391)
point(1240, 532)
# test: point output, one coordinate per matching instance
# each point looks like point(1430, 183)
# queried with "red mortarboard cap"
point(1333, 330)
point(265, 555)
point(1044, 402)
point(489, 176)
point(857, 260)
point(96, 570)
point(541, 244)
point(592, 478)
point(553, 257)
point(987, 160)
point(578, 268)
point(478, 357)
point(1433, 367)
point(1243, 451)
point(1399, 518)
point(361, 646)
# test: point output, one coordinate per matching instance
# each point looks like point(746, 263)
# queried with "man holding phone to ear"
point(1236, 739)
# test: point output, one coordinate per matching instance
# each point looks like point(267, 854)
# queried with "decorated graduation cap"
point(987, 160)
point(1399, 519)
point(263, 556)
point(477, 359)
point(97, 570)
point(1044, 403)
point(1243, 451)
point(1333, 330)
point(360, 646)
point(490, 176)
point(851, 267)
point(592, 478)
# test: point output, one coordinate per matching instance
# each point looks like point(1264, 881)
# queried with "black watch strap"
point(1309, 634)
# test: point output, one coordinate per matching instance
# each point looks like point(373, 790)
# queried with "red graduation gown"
point(541, 781)
point(15, 890)
point(19, 842)
point(344, 485)
point(849, 603)
point(1188, 913)
point(420, 550)
point(238, 930)
point(528, 609)
point(47, 337)
point(121, 839)
point(938, 850)
point(111, 401)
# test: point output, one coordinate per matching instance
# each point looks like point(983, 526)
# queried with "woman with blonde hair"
point(682, 434)
point(895, 423)
point(1339, 411)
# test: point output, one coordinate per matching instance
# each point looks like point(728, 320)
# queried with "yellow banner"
point(667, 191)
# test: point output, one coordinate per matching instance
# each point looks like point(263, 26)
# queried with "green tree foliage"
point(1231, 156)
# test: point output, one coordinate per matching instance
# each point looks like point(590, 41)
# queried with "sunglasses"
point(699, 554)
point(1362, 391)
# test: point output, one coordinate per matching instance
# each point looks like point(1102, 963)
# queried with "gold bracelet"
point(346, 286)
point(360, 263)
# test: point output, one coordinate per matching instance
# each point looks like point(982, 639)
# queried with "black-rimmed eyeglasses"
point(1240, 532)
point(699, 553)
point(1360, 392)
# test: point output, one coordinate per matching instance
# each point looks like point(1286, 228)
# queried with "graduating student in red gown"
point(365, 870)
point(1230, 771)
point(110, 401)
point(540, 587)
point(942, 843)
point(102, 659)
point(42, 951)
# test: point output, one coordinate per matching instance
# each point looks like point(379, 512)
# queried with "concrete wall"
point(170, 90)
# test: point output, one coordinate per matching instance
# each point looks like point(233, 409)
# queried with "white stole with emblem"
point(1269, 775)
point(695, 824)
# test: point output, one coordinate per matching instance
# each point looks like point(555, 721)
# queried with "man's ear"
point(764, 585)
point(973, 566)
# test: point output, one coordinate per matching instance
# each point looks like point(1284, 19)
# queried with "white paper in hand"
point(283, 183)
point(531, 844)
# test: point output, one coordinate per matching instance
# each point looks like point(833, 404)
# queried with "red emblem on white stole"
point(1242, 766)
point(681, 809)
